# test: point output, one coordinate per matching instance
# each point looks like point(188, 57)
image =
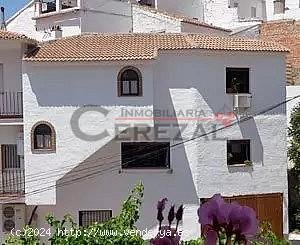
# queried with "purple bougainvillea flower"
point(166, 236)
point(243, 222)
point(218, 216)
point(162, 204)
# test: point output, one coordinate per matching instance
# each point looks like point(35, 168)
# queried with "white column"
point(58, 5)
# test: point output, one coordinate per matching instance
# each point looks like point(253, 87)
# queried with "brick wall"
point(286, 32)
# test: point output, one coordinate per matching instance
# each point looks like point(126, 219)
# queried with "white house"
point(167, 98)
point(239, 14)
point(12, 177)
point(54, 19)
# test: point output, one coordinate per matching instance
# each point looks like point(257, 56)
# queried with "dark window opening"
point(130, 83)
point(150, 3)
point(145, 155)
point(237, 80)
point(65, 4)
point(238, 152)
point(43, 137)
point(87, 218)
point(48, 6)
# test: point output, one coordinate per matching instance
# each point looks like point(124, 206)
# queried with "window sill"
point(43, 151)
point(239, 165)
point(146, 170)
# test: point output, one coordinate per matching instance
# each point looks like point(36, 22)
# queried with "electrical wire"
point(175, 145)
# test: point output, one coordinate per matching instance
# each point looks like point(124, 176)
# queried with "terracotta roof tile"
point(142, 46)
point(182, 18)
point(7, 35)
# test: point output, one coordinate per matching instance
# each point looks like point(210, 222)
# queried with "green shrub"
point(267, 236)
point(26, 237)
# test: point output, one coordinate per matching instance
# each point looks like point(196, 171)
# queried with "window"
point(43, 137)
point(48, 6)
point(253, 12)
point(9, 156)
point(1, 78)
point(130, 82)
point(145, 155)
point(87, 218)
point(237, 80)
point(150, 3)
point(233, 4)
point(238, 152)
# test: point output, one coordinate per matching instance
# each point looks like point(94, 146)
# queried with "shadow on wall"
point(97, 183)
point(90, 85)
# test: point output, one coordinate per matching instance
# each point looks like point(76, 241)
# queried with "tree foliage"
point(294, 134)
point(294, 173)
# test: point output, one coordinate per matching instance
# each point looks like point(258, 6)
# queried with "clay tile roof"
point(7, 35)
point(142, 46)
point(182, 18)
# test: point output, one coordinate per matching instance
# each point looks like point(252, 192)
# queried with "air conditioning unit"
point(242, 101)
point(13, 217)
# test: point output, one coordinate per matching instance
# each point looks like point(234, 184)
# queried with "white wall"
point(177, 81)
point(293, 11)
point(190, 8)
point(11, 53)
point(291, 92)
point(23, 23)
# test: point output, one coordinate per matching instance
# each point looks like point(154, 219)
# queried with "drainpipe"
point(3, 25)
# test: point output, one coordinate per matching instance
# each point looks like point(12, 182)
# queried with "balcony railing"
point(11, 104)
point(13, 181)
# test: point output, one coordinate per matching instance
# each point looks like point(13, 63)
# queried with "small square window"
point(87, 218)
point(150, 3)
point(238, 152)
point(137, 155)
point(237, 80)
point(233, 4)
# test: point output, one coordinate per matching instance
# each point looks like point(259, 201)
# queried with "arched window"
point(130, 82)
point(43, 137)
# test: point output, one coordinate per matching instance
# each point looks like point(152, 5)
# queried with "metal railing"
point(13, 181)
point(11, 104)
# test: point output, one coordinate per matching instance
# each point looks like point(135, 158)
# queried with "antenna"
point(2, 20)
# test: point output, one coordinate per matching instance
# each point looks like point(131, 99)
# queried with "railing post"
point(58, 5)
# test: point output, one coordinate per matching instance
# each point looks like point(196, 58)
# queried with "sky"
point(12, 6)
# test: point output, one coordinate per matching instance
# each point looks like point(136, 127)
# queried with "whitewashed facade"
point(12, 173)
point(198, 169)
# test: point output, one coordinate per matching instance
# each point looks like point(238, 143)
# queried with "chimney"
point(56, 32)
point(2, 20)
point(279, 6)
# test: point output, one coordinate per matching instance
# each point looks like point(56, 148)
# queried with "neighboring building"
point(236, 14)
point(72, 95)
point(55, 19)
point(12, 174)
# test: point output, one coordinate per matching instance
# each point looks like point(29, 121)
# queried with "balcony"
point(13, 182)
point(11, 105)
